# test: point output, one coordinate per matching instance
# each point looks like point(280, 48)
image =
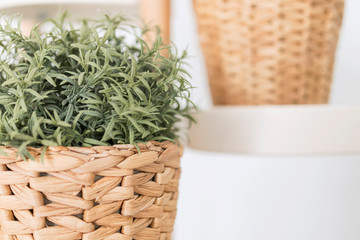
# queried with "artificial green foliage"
point(88, 85)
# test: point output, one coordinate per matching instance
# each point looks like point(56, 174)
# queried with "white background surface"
point(237, 197)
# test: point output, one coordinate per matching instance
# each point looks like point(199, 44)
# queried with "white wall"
point(346, 89)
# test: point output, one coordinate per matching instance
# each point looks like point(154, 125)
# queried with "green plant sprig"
point(87, 85)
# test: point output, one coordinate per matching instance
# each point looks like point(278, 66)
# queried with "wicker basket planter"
point(269, 52)
point(91, 193)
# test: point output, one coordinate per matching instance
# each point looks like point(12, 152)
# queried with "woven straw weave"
point(269, 51)
point(98, 193)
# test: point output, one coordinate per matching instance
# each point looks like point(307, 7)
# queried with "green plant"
point(87, 85)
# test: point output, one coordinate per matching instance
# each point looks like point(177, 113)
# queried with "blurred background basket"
point(269, 52)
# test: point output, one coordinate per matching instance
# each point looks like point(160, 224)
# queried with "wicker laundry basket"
point(269, 52)
point(91, 193)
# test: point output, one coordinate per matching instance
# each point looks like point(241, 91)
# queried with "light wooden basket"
point(269, 52)
point(97, 193)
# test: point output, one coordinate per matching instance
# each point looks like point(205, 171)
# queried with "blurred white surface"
point(239, 197)
point(301, 129)
point(36, 11)
point(347, 71)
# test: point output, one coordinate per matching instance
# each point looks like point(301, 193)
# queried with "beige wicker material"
point(97, 193)
point(269, 52)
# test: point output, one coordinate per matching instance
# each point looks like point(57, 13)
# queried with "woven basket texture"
point(90, 193)
point(269, 51)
